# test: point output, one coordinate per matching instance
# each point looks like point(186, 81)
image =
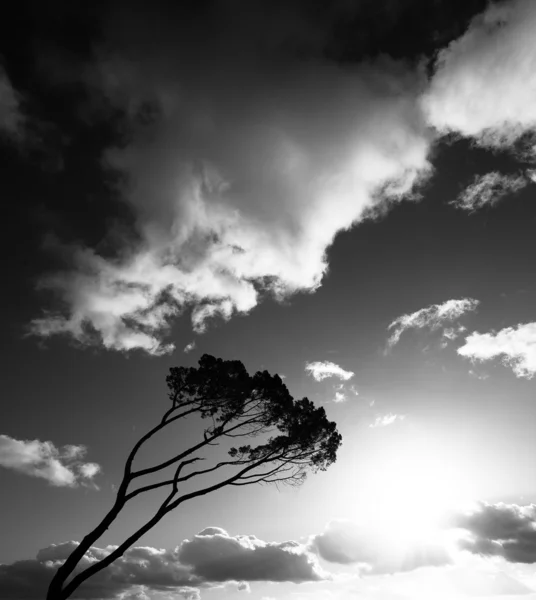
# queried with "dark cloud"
point(214, 555)
point(506, 530)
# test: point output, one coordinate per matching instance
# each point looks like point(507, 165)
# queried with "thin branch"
point(172, 461)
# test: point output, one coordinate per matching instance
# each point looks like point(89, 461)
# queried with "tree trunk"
point(55, 588)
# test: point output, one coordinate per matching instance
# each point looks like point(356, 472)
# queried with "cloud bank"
point(515, 346)
point(321, 370)
point(62, 467)
point(238, 182)
point(210, 558)
point(431, 317)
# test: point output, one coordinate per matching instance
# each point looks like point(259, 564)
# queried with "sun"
point(408, 492)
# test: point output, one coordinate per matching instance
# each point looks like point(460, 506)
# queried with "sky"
point(340, 193)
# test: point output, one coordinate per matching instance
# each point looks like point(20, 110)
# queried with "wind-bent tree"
point(293, 438)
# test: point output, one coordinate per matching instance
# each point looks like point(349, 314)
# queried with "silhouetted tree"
point(294, 438)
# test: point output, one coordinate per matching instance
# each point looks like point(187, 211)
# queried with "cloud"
point(323, 369)
point(61, 467)
point(239, 173)
point(11, 117)
point(431, 317)
point(189, 347)
point(488, 189)
point(497, 52)
point(339, 397)
point(506, 530)
point(214, 555)
point(209, 558)
point(348, 543)
point(385, 420)
point(516, 346)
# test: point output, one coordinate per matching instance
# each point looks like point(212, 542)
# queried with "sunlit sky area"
point(341, 193)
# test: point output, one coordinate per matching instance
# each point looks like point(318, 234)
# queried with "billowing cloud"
point(506, 530)
point(431, 317)
point(59, 466)
point(385, 420)
point(488, 189)
point(11, 117)
point(497, 52)
point(214, 555)
point(239, 174)
point(516, 346)
point(323, 369)
point(209, 558)
point(374, 552)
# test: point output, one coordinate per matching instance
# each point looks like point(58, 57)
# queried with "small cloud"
point(385, 420)
point(481, 376)
point(243, 586)
point(516, 346)
point(189, 347)
point(322, 370)
point(339, 397)
point(431, 317)
point(488, 189)
point(61, 467)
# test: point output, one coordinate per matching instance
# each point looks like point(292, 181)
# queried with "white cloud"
point(431, 317)
point(339, 397)
point(371, 549)
point(385, 420)
point(235, 197)
point(189, 347)
point(497, 53)
point(323, 369)
point(516, 346)
point(59, 466)
point(488, 189)
point(11, 118)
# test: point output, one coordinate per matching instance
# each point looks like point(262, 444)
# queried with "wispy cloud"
point(322, 370)
point(11, 117)
point(59, 466)
point(189, 347)
point(431, 317)
point(516, 346)
point(488, 189)
point(497, 52)
point(232, 205)
point(385, 420)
